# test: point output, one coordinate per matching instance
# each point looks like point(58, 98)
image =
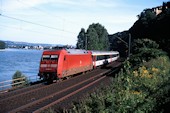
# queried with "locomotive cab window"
point(46, 57)
point(54, 57)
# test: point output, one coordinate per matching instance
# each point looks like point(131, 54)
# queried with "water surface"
point(26, 61)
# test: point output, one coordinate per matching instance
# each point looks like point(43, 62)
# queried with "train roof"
point(76, 51)
point(104, 52)
point(82, 51)
point(70, 51)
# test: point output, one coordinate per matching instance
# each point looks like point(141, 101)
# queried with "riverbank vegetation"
point(2, 45)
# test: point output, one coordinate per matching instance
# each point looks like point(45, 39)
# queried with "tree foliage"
point(19, 79)
point(95, 38)
point(147, 15)
point(81, 39)
point(143, 43)
point(2, 45)
point(144, 50)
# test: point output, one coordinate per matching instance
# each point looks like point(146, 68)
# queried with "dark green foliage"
point(101, 38)
point(19, 78)
point(81, 39)
point(96, 38)
point(93, 39)
point(119, 42)
point(144, 50)
point(2, 45)
point(147, 15)
point(143, 43)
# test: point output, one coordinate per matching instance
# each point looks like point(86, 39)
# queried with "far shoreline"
point(2, 49)
point(18, 49)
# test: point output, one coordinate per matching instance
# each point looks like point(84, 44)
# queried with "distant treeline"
point(2, 45)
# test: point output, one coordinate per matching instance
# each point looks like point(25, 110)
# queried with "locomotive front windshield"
point(54, 57)
point(50, 57)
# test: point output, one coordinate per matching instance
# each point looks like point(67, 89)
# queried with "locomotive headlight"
point(43, 65)
point(53, 65)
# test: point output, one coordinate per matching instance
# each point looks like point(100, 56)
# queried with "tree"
point(2, 45)
point(103, 36)
point(92, 39)
point(143, 43)
point(145, 50)
point(97, 37)
point(147, 15)
point(81, 39)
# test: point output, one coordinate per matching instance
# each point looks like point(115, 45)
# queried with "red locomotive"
point(56, 64)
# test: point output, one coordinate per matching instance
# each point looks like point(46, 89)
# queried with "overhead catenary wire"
point(43, 11)
point(48, 13)
point(49, 27)
point(33, 31)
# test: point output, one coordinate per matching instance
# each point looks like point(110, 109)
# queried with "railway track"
point(40, 98)
point(19, 91)
point(76, 91)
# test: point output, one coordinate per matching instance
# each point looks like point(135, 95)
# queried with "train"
point(62, 63)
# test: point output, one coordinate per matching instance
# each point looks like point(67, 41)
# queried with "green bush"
point(143, 43)
point(139, 90)
point(19, 79)
point(145, 50)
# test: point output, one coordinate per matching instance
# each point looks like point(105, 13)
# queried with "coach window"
point(115, 55)
point(98, 58)
point(101, 57)
point(107, 56)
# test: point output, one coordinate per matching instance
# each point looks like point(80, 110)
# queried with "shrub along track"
point(48, 95)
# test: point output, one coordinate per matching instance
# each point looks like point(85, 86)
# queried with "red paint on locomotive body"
point(62, 63)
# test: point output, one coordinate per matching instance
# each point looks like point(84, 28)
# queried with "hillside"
point(151, 25)
point(154, 26)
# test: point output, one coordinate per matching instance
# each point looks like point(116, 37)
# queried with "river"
point(26, 61)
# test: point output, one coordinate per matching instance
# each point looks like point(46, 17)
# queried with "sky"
point(60, 21)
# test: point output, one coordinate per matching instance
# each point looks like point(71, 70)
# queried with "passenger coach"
point(104, 57)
